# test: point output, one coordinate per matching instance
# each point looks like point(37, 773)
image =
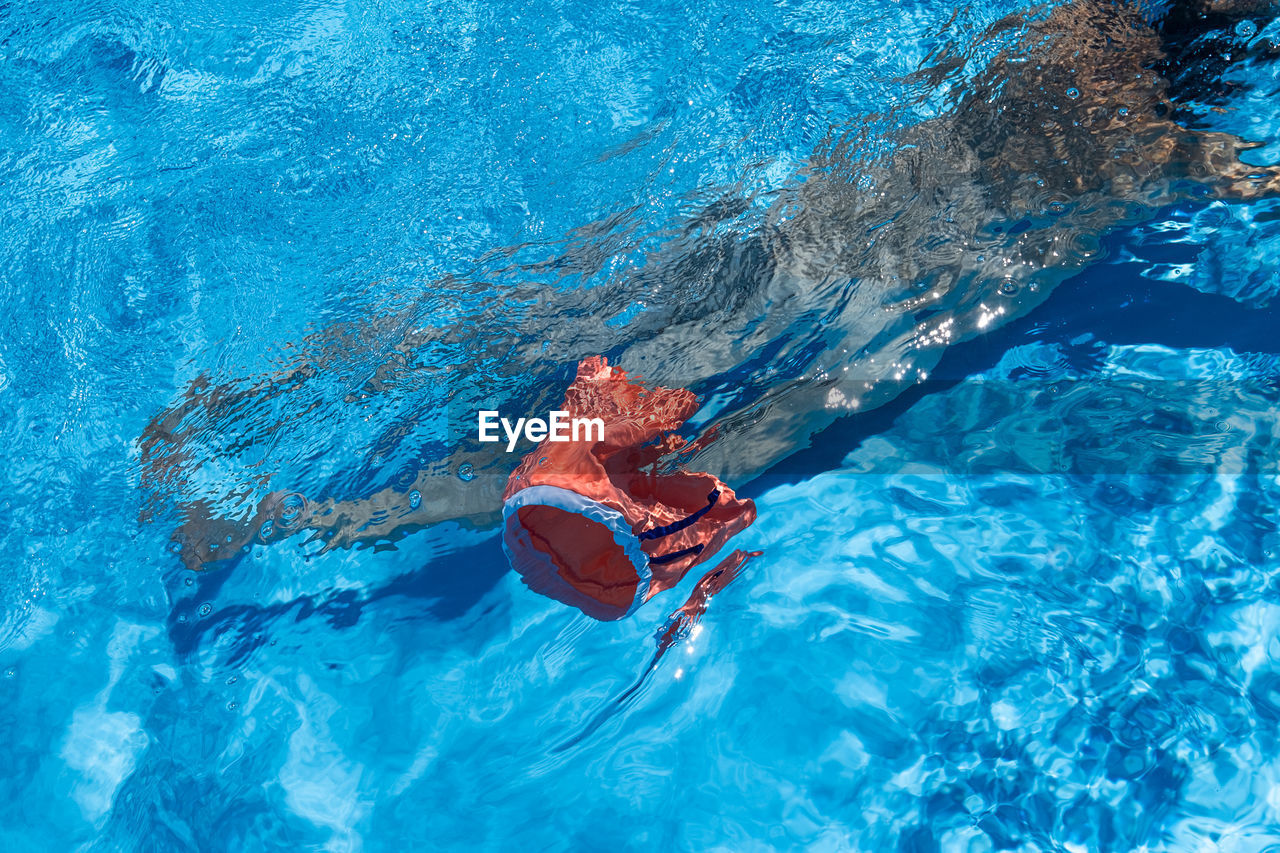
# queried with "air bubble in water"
point(267, 527)
point(466, 473)
point(415, 499)
point(291, 508)
point(206, 609)
point(1073, 93)
point(1246, 29)
point(1008, 289)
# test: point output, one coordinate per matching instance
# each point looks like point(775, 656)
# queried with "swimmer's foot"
point(205, 538)
point(1215, 156)
point(1247, 183)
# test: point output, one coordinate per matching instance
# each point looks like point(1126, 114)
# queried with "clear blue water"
point(1031, 603)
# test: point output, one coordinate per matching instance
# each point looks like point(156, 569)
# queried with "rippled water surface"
point(980, 304)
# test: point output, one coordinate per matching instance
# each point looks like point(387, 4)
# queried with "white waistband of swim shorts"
point(592, 510)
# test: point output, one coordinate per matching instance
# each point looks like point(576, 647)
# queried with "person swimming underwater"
point(858, 280)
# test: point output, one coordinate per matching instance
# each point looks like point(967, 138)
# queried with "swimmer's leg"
point(677, 627)
point(681, 623)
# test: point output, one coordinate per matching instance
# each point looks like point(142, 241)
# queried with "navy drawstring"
point(675, 555)
point(676, 526)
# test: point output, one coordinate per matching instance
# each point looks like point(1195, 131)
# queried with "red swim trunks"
point(590, 523)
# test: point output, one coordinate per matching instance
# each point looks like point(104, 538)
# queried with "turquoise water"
point(1025, 598)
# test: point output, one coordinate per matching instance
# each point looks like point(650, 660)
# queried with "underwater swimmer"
point(861, 277)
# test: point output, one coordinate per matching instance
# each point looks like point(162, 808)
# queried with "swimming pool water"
point(1031, 604)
